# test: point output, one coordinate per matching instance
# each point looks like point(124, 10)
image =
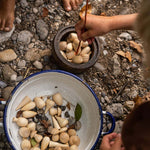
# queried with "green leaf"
point(33, 142)
point(78, 112)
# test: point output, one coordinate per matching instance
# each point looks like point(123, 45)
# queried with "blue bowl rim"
point(46, 71)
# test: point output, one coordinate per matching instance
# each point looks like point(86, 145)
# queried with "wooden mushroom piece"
point(64, 137)
point(29, 114)
point(25, 144)
point(58, 99)
point(28, 106)
point(39, 102)
point(24, 132)
point(49, 104)
point(21, 122)
point(25, 101)
point(45, 143)
point(74, 140)
point(62, 121)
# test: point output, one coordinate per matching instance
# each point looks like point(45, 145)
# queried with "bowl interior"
point(72, 89)
point(66, 65)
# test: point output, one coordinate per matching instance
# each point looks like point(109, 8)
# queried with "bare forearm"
point(123, 22)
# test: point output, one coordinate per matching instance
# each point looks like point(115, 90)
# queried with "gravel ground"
point(115, 80)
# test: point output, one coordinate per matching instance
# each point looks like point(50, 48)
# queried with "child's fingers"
point(86, 35)
point(117, 144)
point(78, 28)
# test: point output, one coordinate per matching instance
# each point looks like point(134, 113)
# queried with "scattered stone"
point(99, 67)
point(116, 65)
point(38, 64)
point(129, 104)
point(13, 77)
point(46, 52)
point(38, 3)
point(2, 84)
point(24, 37)
point(21, 63)
point(126, 36)
point(4, 36)
point(35, 10)
point(6, 92)
point(32, 54)
point(107, 99)
point(19, 78)
point(23, 3)
point(7, 55)
point(105, 52)
point(1, 114)
point(18, 20)
point(2, 107)
point(8, 72)
point(42, 29)
point(115, 109)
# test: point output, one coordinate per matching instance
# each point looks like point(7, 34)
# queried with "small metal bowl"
point(66, 65)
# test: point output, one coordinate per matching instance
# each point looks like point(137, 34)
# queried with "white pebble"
point(38, 65)
point(13, 77)
point(35, 10)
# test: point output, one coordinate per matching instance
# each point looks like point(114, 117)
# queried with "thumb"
point(118, 143)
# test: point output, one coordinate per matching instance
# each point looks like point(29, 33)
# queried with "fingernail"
point(68, 8)
point(119, 135)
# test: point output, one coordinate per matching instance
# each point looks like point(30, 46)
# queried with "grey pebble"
point(1, 114)
point(2, 84)
point(2, 144)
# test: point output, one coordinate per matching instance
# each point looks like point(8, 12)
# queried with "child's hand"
point(95, 26)
point(108, 142)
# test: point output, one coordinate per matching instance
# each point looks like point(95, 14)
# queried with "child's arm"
point(99, 25)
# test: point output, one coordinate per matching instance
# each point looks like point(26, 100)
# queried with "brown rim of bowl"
point(62, 34)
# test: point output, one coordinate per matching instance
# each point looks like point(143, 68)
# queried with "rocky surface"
point(114, 79)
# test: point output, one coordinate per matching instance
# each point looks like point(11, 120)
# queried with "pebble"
point(38, 64)
point(19, 78)
point(118, 126)
point(126, 36)
point(42, 29)
point(2, 144)
point(23, 3)
point(13, 77)
point(129, 104)
point(116, 65)
point(105, 52)
point(7, 55)
point(38, 3)
point(8, 72)
point(115, 109)
point(107, 99)
point(6, 92)
point(18, 20)
point(99, 67)
point(35, 10)
point(2, 84)
point(4, 36)
point(21, 63)
point(24, 37)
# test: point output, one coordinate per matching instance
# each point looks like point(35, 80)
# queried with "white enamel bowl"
point(72, 89)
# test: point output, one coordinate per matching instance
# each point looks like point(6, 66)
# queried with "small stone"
point(107, 99)
point(67, 115)
point(30, 45)
point(38, 64)
point(32, 54)
point(78, 125)
point(115, 109)
point(38, 3)
point(2, 145)
point(19, 78)
point(42, 29)
point(46, 52)
point(129, 104)
point(116, 65)
point(13, 77)
point(4, 36)
point(126, 36)
point(6, 92)
point(105, 52)
point(7, 55)
point(35, 10)
point(24, 37)
point(99, 67)
point(8, 72)
point(23, 3)
point(2, 84)
point(63, 108)
point(18, 20)
point(71, 121)
point(118, 126)
point(21, 63)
